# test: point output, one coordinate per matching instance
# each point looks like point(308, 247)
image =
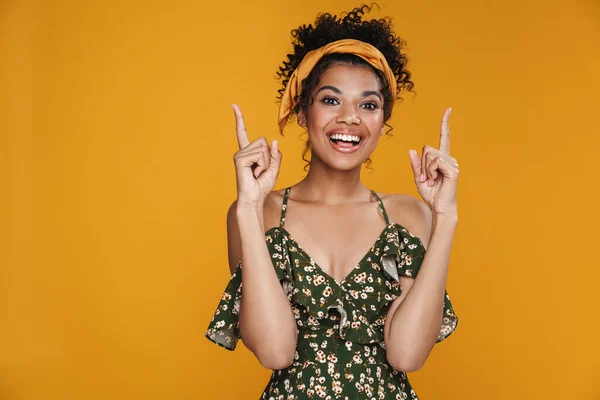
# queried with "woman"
point(331, 320)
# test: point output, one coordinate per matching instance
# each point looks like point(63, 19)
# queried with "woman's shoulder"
point(410, 212)
point(271, 209)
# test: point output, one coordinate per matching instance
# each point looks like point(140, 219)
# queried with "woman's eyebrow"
point(372, 92)
point(366, 93)
point(333, 88)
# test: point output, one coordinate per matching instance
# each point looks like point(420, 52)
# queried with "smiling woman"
point(330, 319)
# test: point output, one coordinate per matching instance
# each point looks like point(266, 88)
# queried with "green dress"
point(340, 351)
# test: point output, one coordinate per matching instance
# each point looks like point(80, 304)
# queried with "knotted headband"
point(363, 50)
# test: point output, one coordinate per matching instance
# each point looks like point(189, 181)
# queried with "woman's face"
point(345, 118)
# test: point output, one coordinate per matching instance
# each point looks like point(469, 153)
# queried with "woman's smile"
point(345, 141)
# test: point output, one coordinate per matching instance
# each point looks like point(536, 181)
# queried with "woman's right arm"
point(267, 324)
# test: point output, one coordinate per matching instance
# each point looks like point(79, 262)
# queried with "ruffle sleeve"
point(224, 328)
point(403, 255)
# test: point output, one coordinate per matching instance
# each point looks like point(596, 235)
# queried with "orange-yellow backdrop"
point(117, 142)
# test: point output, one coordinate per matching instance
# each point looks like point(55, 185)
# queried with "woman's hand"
point(256, 165)
point(436, 174)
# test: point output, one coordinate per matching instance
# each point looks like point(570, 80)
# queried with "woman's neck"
point(327, 185)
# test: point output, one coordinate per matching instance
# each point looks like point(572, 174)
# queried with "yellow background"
point(116, 151)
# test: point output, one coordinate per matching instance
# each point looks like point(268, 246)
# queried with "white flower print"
point(360, 278)
point(321, 356)
point(318, 280)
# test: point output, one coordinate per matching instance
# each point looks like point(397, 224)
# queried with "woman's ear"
point(301, 118)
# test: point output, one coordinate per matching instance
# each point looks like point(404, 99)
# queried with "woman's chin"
point(345, 163)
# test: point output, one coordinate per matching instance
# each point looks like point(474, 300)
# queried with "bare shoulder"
point(271, 210)
point(410, 212)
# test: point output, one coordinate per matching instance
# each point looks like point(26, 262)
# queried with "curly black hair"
point(329, 28)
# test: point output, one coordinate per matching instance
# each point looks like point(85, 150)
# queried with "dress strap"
point(284, 206)
point(380, 202)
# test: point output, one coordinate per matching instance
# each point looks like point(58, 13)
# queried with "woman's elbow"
point(406, 364)
point(276, 359)
point(273, 352)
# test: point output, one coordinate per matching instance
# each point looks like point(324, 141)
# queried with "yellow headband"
point(364, 50)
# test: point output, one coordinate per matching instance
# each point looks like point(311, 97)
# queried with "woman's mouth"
point(345, 143)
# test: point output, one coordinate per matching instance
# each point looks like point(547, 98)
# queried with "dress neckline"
point(358, 266)
point(352, 272)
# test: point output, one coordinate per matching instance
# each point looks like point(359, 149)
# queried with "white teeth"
point(345, 138)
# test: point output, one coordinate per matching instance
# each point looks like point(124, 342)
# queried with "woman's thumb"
point(275, 157)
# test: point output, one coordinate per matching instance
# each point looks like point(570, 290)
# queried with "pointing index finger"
point(445, 132)
point(240, 128)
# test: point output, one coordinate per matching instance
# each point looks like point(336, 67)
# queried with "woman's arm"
point(267, 323)
point(266, 320)
point(414, 319)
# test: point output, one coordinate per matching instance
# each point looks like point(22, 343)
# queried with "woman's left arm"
point(414, 319)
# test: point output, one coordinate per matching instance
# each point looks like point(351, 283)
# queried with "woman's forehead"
point(349, 78)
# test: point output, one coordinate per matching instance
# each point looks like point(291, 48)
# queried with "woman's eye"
point(370, 106)
point(329, 100)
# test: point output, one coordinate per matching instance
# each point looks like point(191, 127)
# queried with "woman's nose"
point(348, 114)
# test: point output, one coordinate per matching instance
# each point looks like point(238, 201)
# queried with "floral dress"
point(340, 351)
